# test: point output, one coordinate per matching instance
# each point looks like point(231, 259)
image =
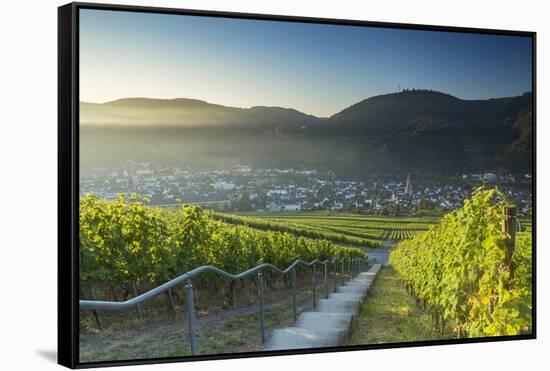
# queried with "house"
point(224, 186)
point(490, 177)
point(273, 206)
point(337, 206)
point(291, 207)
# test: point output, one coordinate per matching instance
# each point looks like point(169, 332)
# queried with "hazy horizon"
point(317, 69)
point(273, 106)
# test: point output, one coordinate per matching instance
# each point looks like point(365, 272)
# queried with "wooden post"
point(95, 312)
point(294, 294)
point(171, 302)
point(313, 285)
point(509, 227)
point(232, 294)
point(261, 294)
point(113, 293)
point(190, 302)
point(138, 307)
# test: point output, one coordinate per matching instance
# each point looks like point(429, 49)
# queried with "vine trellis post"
point(509, 227)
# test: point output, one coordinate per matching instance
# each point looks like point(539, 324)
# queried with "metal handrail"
point(114, 305)
point(353, 269)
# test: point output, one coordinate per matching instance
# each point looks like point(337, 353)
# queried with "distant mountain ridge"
point(394, 109)
point(412, 130)
point(187, 112)
point(409, 105)
point(424, 129)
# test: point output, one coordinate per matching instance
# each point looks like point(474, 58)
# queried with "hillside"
point(411, 108)
point(427, 130)
point(412, 131)
point(184, 112)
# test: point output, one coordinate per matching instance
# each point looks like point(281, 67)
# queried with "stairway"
point(330, 324)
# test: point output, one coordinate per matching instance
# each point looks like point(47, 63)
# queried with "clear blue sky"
point(317, 69)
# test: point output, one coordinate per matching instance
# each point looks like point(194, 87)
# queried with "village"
point(244, 188)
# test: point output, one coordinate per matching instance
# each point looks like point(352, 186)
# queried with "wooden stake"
point(138, 307)
point(171, 302)
point(509, 227)
point(232, 294)
point(95, 312)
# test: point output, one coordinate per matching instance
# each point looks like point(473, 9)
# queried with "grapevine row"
point(460, 270)
point(124, 241)
point(298, 229)
point(401, 234)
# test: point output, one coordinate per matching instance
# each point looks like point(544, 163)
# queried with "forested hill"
point(410, 131)
point(415, 108)
point(423, 129)
point(191, 113)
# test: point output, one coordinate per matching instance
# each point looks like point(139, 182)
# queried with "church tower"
point(408, 187)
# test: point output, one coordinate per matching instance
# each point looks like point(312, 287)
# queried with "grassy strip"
point(390, 315)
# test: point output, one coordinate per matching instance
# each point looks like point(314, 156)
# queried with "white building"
point(292, 207)
point(223, 186)
point(490, 177)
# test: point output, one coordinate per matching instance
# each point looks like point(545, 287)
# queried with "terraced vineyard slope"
point(343, 228)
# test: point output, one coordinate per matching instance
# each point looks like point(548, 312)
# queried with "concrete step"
point(300, 338)
point(312, 330)
point(312, 320)
point(352, 289)
point(344, 303)
point(346, 296)
point(329, 325)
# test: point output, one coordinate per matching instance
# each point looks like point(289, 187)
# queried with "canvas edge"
point(67, 288)
point(68, 354)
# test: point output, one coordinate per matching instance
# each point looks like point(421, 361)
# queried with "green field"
point(352, 229)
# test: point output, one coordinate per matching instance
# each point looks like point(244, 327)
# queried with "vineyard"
point(401, 234)
point(125, 245)
point(299, 229)
point(350, 229)
point(463, 272)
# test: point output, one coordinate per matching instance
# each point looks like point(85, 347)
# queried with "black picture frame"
point(68, 180)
